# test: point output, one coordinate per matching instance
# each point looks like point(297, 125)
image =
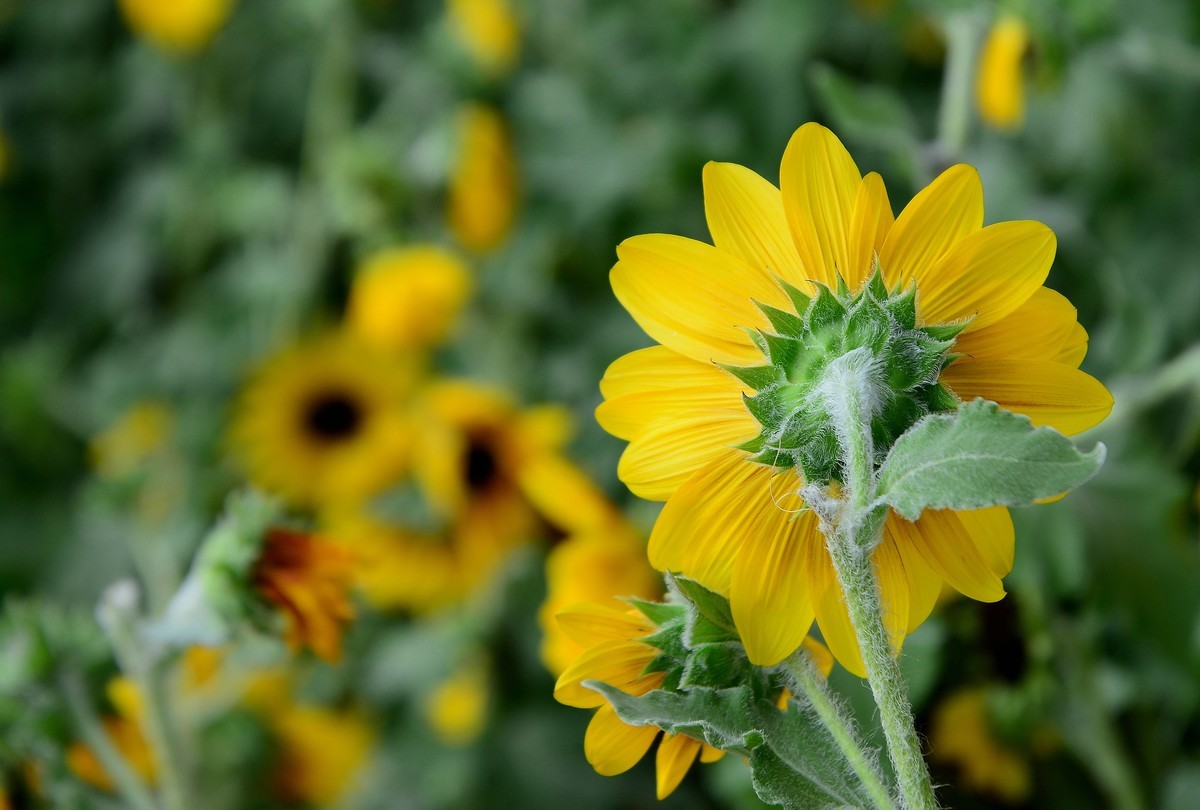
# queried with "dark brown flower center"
point(479, 465)
point(333, 416)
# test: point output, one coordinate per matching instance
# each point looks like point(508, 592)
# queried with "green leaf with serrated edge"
point(657, 612)
point(980, 456)
point(723, 718)
point(712, 606)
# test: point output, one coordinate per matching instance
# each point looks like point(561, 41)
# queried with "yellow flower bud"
point(999, 85)
point(177, 26)
point(483, 185)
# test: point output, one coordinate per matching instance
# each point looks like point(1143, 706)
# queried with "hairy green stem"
point(807, 681)
point(91, 730)
point(849, 393)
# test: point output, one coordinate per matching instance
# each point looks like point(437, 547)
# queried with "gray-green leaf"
point(980, 456)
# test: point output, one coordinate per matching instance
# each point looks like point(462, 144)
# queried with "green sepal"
point(903, 308)
point(786, 323)
point(716, 665)
point(877, 287)
point(757, 377)
point(659, 613)
point(781, 350)
point(824, 312)
point(947, 331)
point(799, 300)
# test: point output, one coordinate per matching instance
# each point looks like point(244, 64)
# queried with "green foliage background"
point(166, 222)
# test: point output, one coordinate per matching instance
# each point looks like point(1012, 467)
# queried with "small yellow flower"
point(124, 729)
point(483, 193)
point(737, 525)
point(597, 566)
point(962, 736)
point(457, 709)
point(321, 752)
point(140, 432)
point(999, 83)
point(308, 580)
point(489, 31)
point(177, 26)
point(407, 298)
point(324, 422)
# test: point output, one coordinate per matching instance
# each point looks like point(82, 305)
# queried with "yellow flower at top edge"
point(177, 26)
point(961, 735)
point(407, 298)
point(324, 422)
point(734, 520)
point(612, 651)
point(321, 752)
point(483, 194)
point(124, 729)
point(999, 82)
point(490, 32)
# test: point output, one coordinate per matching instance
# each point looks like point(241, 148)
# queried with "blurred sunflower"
point(489, 31)
point(324, 422)
point(177, 26)
point(733, 519)
point(321, 752)
point(483, 192)
point(457, 709)
point(124, 729)
point(407, 298)
point(999, 83)
point(962, 736)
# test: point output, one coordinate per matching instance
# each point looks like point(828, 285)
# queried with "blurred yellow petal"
point(869, 226)
point(619, 664)
point(611, 746)
point(675, 756)
point(563, 494)
point(709, 754)
point(490, 32)
point(945, 544)
point(988, 274)
point(942, 213)
point(1053, 394)
point(771, 604)
point(999, 85)
point(819, 181)
point(664, 455)
point(821, 657)
point(746, 218)
point(992, 531)
point(482, 200)
point(177, 26)
point(1036, 330)
point(1074, 349)
point(692, 297)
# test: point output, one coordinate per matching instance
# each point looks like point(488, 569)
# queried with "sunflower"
point(177, 26)
point(324, 422)
point(999, 85)
point(307, 580)
point(483, 192)
point(321, 752)
point(693, 413)
point(962, 735)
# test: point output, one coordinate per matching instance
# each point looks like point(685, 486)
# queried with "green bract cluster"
point(797, 429)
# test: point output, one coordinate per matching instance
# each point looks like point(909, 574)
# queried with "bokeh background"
point(185, 202)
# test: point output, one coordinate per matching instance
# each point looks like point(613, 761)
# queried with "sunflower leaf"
point(980, 456)
point(724, 718)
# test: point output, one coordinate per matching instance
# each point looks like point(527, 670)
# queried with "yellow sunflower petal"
point(704, 523)
point(617, 663)
point(771, 605)
point(745, 217)
point(869, 226)
point(988, 274)
point(893, 590)
point(820, 655)
point(611, 746)
point(665, 454)
point(1048, 393)
point(1074, 349)
point(1036, 330)
point(992, 531)
point(590, 623)
point(942, 213)
point(831, 613)
point(924, 585)
point(709, 754)
point(820, 182)
point(692, 297)
point(945, 544)
point(676, 753)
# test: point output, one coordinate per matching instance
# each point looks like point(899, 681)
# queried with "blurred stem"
point(809, 682)
point(954, 115)
point(91, 730)
point(848, 393)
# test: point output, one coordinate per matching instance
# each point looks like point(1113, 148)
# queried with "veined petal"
point(675, 756)
point(745, 217)
point(692, 297)
point(832, 616)
point(705, 523)
point(1049, 393)
point(819, 181)
point(992, 531)
point(1036, 330)
point(769, 594)
point(617, 663)
point(1075, 349)
point(945, 544)
point(590, 623)
point(611, 746)
point(987, 274)
point(924, 585)
point(657, 382)
point(869, 226)
point(942, 213)
point(664, 455)
point(893, 590)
